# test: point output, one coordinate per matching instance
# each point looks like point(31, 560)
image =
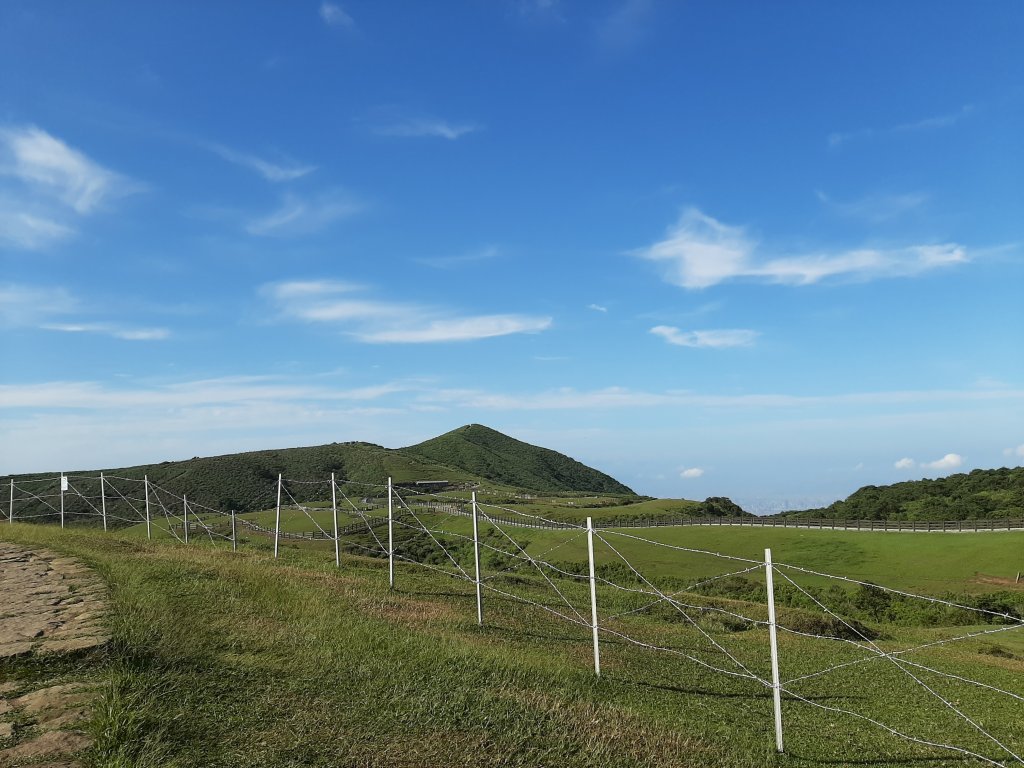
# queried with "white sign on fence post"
point(476, 561)
point(334, 510)
point(773, 639)
point(391, 538)
point(593, 596)
point(103, 500)
point(277, 523)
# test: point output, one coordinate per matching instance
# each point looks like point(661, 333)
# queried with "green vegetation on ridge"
point(980, 494)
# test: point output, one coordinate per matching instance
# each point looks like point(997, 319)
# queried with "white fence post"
point(184, 502)
point(10, 518)
point(334, 510)
point(234, 533)
point(63, 487)
point(776, 686)
point(103, 501)
point(476, 561)
point(391, 538)
point(593, 596)
point(149, 529)
point(277, 524)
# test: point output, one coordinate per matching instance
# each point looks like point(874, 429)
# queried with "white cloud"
point(597, 307)
point(118, 332)
point(949, 461)
point(699, 252)
point(717, 339)
point(1017, 452)
point(691, 472)
point(48, 308)
point(626, 26)
point(298, 216)
point(48, 185)
point(268, 170)
point(905, 463)
point(336, 16)
point(425, 126)
point(384, 322)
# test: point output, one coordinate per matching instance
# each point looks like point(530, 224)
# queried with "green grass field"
point(222, 659)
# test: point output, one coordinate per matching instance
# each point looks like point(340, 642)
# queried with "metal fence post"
point(391, 537)
point(776, 686)
point(149, 529)
point(334, 509)
point(277, 523)
point(593, 596)
point(476, 561)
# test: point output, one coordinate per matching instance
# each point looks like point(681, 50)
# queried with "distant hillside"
point(483, 451)
point(983, 493)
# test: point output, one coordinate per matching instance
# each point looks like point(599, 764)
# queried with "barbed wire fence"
point(428, 516)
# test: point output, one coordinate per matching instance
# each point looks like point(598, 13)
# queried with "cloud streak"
point(838, 139)
point(301, 216)
point(713, 339)
point(270, 171)
point(373, 321)
point(432, 127)
point(700, 251)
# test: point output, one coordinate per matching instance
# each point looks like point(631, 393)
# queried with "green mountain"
point(247, 481)
point(487, 453)
point(981, 494)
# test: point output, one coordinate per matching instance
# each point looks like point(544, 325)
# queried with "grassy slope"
point(238, 660)
point(982, 493)
point(488, 453)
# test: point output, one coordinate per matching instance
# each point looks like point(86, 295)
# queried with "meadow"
point(238, 658)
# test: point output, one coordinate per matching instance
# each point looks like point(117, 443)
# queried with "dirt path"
point(49, 605)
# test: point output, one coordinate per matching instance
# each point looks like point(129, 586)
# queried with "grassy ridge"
point(488, 453)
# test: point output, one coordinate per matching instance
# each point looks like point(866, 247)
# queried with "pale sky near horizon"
point(767, 251)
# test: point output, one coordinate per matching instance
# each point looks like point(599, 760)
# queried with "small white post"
point(149, 528)
point(103, 500)
point(10, 518)
point(184, 501)
point(391, 538)
point(63, 487)
point(234, 533)
point(277, 524)
point(776, 686)
point(334, 511)
point(476, 562)
point(593, 596)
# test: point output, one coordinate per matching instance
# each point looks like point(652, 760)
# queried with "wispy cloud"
point(453, 262)
point(905, 463)
point(383, 322)
point(412, 127)
point(298, 215)
point(715, 339)
point(336, 16)
point(569, 398)
point(597, 307)
point(838, 139)
point(46, 186)
point(691, 473)
point(948, 462)
point(876, 209)
point(107, 329)
point(52, 308)
point(270, 171)
point(699, 252)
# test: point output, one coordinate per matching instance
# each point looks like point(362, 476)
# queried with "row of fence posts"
point(595, 627)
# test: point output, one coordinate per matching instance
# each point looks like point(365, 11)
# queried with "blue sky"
point(768, 251)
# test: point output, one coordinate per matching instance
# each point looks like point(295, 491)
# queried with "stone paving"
point(49, 604)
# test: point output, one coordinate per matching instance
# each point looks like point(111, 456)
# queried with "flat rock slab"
point(51, 603)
